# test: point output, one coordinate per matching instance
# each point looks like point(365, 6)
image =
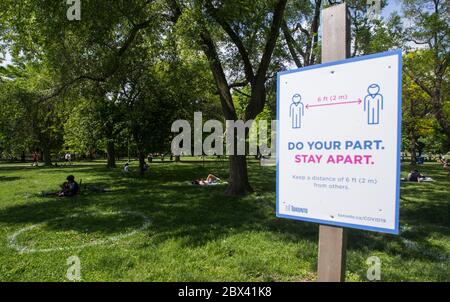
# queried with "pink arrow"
point(330, 104)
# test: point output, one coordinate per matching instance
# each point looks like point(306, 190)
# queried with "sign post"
point(338, 143)
point(333, 240)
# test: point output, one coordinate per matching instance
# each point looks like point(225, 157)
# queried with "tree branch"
point(243, 93)
point(291, 44)
point(132, 35)
point(210, 50)
point(238, 84)
point(271, 41)
point(248, 68)
point(176, 10)
point(419, 83)
point(258, 99)
point(313, 36)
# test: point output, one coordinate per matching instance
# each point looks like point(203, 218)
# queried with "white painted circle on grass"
point(14, 244)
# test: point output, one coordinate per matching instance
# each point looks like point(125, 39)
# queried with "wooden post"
point(332, 253)
point(333, 240)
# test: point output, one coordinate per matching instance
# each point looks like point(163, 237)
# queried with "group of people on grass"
point(413, 176)
point(71, 187)
point(209, 180)
point(416, 176)
point(35, 159)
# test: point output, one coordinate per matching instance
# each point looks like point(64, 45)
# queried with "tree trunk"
point(111, 154)
point(440, 115)
point(413, 133)
point(177, 158)
point(413, 149)
point(141, 162)
point(46, 157)
point(238, 182)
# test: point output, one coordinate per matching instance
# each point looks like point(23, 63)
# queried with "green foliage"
point(428, 67)
point(82, 131)
point(27, 122)
point(90, 61)
point(82, 66)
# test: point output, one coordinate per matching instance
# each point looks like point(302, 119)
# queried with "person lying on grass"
point(210, 180)
point(69, 188)
point(415, 176)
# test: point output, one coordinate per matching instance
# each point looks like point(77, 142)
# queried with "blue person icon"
point(373, 104)
point(296, 111)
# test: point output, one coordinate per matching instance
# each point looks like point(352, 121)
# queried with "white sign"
point(338, 142)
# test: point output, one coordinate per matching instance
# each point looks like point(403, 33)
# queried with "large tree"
point(416, 107)
point(429, 28)
point(247, 32)
point(86, 54)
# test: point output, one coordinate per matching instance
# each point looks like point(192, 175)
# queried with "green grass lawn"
point(198, 233)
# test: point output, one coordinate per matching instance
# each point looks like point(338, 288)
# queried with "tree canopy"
point(116, 79)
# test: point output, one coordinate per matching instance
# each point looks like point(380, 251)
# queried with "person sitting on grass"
point(126, 168)
point(64, 187)
point(210, 180)
point(415, 176)
point(69, 188)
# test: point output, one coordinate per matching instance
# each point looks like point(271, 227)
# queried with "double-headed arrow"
point(331, 104)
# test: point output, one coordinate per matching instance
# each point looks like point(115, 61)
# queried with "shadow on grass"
point(197, 215)
point(196, 219)
point(177, 209)
point(8, 178)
